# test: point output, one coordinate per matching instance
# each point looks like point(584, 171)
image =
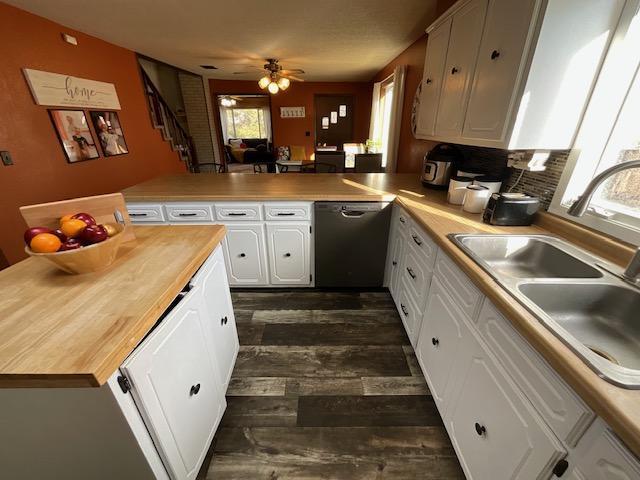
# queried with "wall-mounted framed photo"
point(74, 134)
point(109, 131)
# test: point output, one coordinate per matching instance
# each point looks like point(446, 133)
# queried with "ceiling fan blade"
point(294, 78)
point(293, 70)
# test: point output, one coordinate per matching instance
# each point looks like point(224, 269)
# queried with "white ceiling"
point(332, 40)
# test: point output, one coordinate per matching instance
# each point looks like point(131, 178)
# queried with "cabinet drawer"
point(400, 220)
point(417, 276)
point(188, 212)
point(145, 212)
point(238, 211)
point(458, 285)
point(287, 211)
point(423, 244)
point(563, 411)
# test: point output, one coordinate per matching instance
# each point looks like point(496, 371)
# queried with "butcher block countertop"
point(61, 330)
point(619, 407)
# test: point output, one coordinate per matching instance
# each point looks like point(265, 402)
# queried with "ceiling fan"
point(276, 78)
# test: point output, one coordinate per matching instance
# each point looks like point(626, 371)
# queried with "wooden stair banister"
point(163, 118)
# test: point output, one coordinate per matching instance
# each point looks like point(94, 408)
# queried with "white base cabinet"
point(268, 244)
point(495, 431)
point(245, 254)
point(289, 253)
point(176, 386)
point(155, 417)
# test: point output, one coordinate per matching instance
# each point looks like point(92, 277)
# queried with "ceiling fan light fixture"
point(273, 88)
point(284, 83)
point(264, 82)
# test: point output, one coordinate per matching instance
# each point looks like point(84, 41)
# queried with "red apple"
point(85, 217)
point(93, 234)
point(70, 244)
point(58, 233)
point(32, 232)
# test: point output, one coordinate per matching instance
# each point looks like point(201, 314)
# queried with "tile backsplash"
point(493, 161)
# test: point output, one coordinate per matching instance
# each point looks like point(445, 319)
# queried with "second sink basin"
point(602, 317)
point(526, 257)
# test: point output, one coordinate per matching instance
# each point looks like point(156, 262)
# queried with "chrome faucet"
point(579, 208)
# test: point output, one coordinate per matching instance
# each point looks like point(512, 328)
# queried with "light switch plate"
point(6, 158)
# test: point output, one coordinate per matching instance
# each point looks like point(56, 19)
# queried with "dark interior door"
point(337, 134)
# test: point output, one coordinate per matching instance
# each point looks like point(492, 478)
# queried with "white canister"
point(476, 198)
point(457, 189)
point(492, 183)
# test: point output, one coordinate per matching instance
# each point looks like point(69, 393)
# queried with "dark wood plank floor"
point(327, 386)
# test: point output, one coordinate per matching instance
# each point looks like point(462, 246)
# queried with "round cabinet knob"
point(287, 254)
point(495, 54)
point(480, 429)
point(428, 81)
point(242, 255)
point(454, 70)
point(435, 341)
point(224, 320)
point(194, 389)
point(394, 263)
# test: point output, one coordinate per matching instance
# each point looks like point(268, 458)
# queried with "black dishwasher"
point(351, 243)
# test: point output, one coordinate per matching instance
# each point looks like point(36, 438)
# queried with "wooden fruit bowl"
point(85, 259)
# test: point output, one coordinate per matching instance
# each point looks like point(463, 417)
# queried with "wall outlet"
point(6, 158)
point(533, 161)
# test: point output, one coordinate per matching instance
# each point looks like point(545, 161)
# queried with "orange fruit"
point(65, 218)
point(72, 227)
point(45, 243)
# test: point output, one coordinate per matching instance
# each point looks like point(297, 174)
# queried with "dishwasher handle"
point(352, 213)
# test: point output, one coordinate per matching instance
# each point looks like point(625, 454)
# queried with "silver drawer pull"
point(404, 310)
point(138, 214)
point(411, 274)
point(236, 214)
point(285, 214)
point(187, 214)
point(416, 239)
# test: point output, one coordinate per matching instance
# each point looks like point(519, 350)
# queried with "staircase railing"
point(166, 121)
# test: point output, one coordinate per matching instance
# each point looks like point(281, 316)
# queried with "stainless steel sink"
point(572, 293)
point(527, 257)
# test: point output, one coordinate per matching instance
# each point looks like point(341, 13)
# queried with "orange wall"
point(410, 149)
point(40, 172)
point(291, 131)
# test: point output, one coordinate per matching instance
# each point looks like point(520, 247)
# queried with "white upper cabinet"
point(432, 78)
point(289, 253)
point(507, 29)
point(466, 32)
point(525, 71)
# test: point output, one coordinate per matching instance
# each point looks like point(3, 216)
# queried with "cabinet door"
point(175, 386)
point(289, 253)
point(219, 321)
point(396, 250)
point(439, 342)
point(494, 430)
point(605, 457)
point(501, 56)
point(466, 32)
point(436, 56)
point(245, 254)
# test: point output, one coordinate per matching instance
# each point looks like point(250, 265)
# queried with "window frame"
point(620, 70)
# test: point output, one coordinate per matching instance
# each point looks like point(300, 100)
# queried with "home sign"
point(54, 89)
